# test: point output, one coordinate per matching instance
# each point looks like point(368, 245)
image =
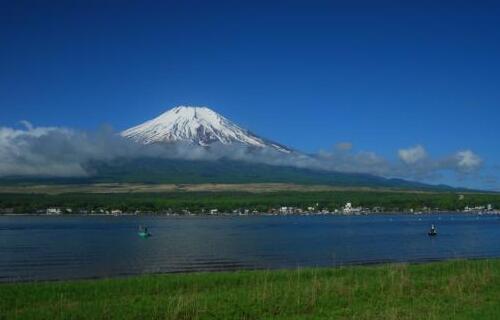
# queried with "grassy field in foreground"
point(444, 290)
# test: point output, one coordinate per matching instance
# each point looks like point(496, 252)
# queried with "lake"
point(68, 247)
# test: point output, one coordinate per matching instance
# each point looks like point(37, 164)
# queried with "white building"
point(54, 211)
point(348, 209)
point(284, 210)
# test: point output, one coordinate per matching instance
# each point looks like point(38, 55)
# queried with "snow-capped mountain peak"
point(197, 125)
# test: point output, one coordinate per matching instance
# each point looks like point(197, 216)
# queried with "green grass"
point(445, 290)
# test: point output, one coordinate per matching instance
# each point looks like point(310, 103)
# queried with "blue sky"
point(308, 74)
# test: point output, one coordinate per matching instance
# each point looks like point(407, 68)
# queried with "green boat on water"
point(143, 232)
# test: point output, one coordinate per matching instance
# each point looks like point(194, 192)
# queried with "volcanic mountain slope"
point(196, 125)
point(176, 171)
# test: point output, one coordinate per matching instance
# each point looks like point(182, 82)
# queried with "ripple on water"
point(87, 247)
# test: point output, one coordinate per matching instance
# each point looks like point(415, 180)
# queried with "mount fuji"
point(197, 125)
point(202, 128)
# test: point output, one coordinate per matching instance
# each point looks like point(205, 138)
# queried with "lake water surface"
point(64, 247)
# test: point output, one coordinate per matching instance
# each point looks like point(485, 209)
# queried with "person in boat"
point(143, 230)
point(433, 229)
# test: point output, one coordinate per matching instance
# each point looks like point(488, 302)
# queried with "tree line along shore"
point(461, 289)
point(279, 202)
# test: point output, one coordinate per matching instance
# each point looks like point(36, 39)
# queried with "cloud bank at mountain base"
point(64, 152)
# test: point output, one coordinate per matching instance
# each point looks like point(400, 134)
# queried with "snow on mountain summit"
point(197, 125)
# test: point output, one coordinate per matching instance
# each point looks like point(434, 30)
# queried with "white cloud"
point(467, 160)
point(24, 152)
point(62, 152)
point(412, 155)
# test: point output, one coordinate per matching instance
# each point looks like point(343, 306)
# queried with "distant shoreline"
point(310, 202)
point(259, 214)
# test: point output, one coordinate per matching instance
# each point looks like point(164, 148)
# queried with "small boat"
point(432, 232)
point(143, 232)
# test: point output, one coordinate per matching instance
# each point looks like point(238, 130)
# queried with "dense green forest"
point(197, 202)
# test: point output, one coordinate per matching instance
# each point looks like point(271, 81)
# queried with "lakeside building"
point(290, 210)
point(488, 207)
point(53, 211)
point(349, 209)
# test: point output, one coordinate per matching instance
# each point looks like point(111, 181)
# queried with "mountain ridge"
point(170, 171)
